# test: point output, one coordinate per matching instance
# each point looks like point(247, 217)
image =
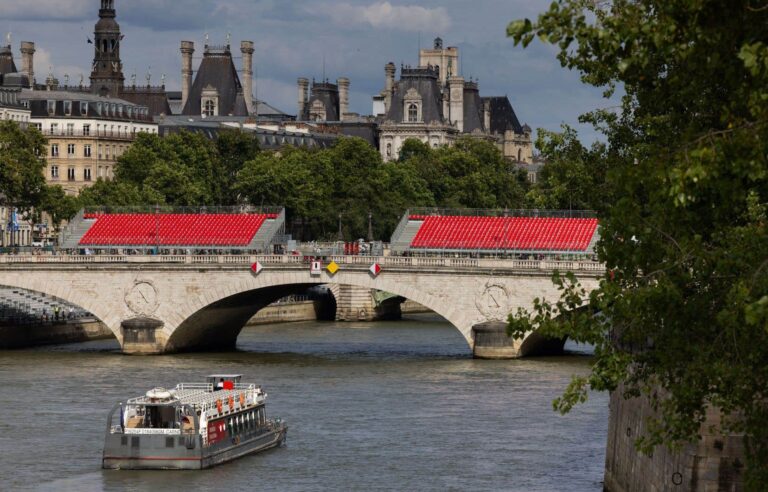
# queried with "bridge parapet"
point(417, 262)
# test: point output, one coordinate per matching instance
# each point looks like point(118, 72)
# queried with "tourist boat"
point(190, 427)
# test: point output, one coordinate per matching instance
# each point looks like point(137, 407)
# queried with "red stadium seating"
point(229, 230)
point(503, 233)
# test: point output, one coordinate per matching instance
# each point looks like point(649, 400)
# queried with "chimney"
point(487, 115)
point(389, 84)
point(303, 96)
point(187, 49)
point(246, 48)
point(343, 84)
point(28, 61)
point(456, 105)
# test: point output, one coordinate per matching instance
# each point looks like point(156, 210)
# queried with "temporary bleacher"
point(540, 232)
point(176, 230)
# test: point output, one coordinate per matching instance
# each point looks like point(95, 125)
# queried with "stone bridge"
point(159, 304)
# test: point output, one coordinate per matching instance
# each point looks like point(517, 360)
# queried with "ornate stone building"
point(434, 104)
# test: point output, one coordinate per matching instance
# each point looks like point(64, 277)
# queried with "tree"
point(685, 305)
point(22, 164)
point(573, 177)
point(56, 203)
point(235, 148)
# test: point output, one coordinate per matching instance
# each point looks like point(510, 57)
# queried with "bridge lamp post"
point(340, 235)
point(370, 226)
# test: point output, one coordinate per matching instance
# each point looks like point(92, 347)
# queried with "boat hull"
point(182, 452)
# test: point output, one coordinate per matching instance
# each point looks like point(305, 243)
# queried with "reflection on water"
point(377, 406)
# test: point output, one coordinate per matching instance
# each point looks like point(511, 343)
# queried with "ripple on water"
point(380, 406)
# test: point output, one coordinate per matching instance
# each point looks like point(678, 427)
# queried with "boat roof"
point(201, 395)
point(225, 376)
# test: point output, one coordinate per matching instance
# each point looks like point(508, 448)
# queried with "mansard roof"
point(503, 117)
point(154, 98)
point(424, 80)
point(473, 108)
point(218, 71)
point(6, 61)
point(328, 94)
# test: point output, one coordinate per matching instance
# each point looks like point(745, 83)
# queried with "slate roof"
point(328, 94)
point(425, 82)
point(217, 70)
point(473, 108)
point(6, 61)
point(503, 117)
point(156, 99)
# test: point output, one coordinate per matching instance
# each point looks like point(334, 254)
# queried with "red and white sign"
point(256, 268)
point(375, 269)
point(316, 268)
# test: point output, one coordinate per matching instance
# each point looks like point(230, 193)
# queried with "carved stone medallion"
point(493, 302)
point(142, 298)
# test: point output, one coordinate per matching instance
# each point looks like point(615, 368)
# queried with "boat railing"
point(195, 386)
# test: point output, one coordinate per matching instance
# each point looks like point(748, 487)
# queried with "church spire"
point(107, 75)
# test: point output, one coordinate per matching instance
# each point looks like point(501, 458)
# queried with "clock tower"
point(107, 75)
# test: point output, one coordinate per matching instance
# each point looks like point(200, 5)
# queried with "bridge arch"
point(68, 296)
point(214, 319)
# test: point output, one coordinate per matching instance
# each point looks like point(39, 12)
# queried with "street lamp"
point(341, 235)
point(370, 226)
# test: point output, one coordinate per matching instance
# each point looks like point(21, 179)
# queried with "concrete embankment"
point(715, 462)
point(72, 331)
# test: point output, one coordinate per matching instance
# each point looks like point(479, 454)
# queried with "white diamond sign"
point(375, 269)
point(256, 268)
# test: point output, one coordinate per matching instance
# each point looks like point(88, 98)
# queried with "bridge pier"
point(492, 342)
point(143, 336)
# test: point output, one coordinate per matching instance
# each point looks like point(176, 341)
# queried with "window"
point(70, 150)
point(86, 130)
point(101, 156)
point(87, 174)
point(71, 174)
point(70, 129)
point(54, 150)
point(54, 172)
point(209, 108)
point(83, 108)
point(67, 108)
point(413, 113)
point(87, 151)
point(51, 107)
point(54, 128)
point(389, 150)
point(39, 126)
point(107, 149)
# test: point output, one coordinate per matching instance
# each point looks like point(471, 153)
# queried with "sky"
point(309, 38)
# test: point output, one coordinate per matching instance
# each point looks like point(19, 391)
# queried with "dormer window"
point(412, 107)
point(68, 108)
point(83, 108)
point(209, 101)
point(209, 108)
point(51, 107)
point(413, 113)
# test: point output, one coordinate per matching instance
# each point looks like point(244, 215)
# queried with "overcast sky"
point(356, 38)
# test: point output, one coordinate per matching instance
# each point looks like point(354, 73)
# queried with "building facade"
point(434, 104)
point(12, 107)
point(86, 133)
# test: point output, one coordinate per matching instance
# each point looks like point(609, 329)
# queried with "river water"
point(376, 406)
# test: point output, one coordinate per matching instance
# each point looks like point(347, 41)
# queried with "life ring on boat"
point(231, 403)
point(218, 405)
point(242, 400)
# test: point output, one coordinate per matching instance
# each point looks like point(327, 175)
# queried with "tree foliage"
point(22, 164)
point(685, 304)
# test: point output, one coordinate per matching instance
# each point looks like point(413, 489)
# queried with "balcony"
point(91, 134)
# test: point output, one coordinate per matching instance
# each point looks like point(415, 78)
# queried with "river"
point(370, 406)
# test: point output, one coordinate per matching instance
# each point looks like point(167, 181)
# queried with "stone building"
point(325, 107)
point(12, 107)
point(86, 133)
point(434, 104)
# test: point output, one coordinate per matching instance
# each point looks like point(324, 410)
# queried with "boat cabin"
point(223, 381)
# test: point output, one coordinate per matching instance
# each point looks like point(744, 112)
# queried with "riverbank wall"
point(70, 331)
point(285, 313)
point(714, 463)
